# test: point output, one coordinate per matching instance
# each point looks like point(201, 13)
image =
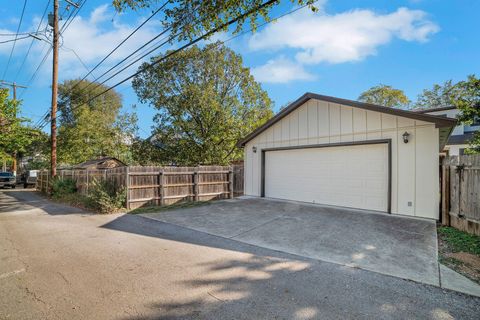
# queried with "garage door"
point(351, 176)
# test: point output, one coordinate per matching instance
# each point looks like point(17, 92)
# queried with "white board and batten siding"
point(414, 172)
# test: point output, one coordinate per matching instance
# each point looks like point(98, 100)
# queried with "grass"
point(453, 245)
point(460, 241)
point(175, 206)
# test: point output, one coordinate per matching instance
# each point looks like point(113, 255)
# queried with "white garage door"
point(350, 176)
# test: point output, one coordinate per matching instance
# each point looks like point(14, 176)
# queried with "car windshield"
point(5, 174)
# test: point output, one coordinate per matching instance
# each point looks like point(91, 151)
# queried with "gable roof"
point(97, 162)
point(439, 121)
point(434, 109)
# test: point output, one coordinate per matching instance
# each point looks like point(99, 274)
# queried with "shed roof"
point(447, 124)
point(97, 162)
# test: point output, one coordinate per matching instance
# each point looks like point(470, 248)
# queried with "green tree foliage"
point(15, 135)
point(191, 18)
point(464, 95)
point(386, 96)
point(92, 130)
point(437, 97)
point(467, 100)
point(207, 100)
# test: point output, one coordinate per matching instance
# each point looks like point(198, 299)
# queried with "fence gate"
point(461, 192)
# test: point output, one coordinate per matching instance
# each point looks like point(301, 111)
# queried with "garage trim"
point(336, 144)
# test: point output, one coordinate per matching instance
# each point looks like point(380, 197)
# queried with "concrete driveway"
point(387, 244)
point(58, 262)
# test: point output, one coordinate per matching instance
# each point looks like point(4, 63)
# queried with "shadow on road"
point(268, 284)
point(20, 200)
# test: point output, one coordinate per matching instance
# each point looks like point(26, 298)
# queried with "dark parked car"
point(7, 179)
point(29, 178)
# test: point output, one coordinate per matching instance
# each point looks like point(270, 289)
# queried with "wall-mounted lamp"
point(254, 149)
point(405, 136)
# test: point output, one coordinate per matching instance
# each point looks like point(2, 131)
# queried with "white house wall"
point(414, 165)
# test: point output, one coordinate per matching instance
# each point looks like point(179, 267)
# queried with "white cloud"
point(92, 38)
point(344, 37)
point(281, 70)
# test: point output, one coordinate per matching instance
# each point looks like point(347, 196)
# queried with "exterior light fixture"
point(405, 136)
point(254, 149)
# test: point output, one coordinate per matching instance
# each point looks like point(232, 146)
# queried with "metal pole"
point(53, 117)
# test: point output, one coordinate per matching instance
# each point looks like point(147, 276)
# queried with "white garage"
point(345, 153)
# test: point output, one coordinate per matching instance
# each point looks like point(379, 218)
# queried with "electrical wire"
point(15, 40)
point(190, 43)
point(124, 40)
point(33, 40)
point(206, 35)
point(67, 22)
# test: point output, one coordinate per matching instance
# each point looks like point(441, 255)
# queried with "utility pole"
point(53, 117)
point(14, 86)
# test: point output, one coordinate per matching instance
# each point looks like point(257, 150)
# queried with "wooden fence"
point(150, 185)
point(460, 177)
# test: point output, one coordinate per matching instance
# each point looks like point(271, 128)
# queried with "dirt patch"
point(459, 251)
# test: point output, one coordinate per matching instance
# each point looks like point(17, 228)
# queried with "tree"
point(191, 18)
point(207, 100)
point(95, 129)
point(467, 100)
point(386, 96)
point(464, 95)
point(15, 135)
point(437, 97)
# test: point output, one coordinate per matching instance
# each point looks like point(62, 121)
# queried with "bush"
point(62, 188)
point(105, 198)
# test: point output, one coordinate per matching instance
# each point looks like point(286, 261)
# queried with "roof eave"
point(440, 122)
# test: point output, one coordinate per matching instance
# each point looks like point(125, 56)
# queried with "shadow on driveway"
point(21, 200)
point(268, 284)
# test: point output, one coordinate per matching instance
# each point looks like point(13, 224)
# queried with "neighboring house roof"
point(433, 109)
point(461, 138)
point(100, 163)
point(440, 122)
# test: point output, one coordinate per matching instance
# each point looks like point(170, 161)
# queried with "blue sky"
point(345, 48)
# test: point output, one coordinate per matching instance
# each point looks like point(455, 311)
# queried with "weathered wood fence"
point(150, 185)
point(460, 177)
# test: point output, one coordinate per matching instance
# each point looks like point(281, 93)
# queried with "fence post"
point(127, 187)
point(162, 187)
point(445, 193)
point(230, 182)
point(87, 182)
point(195, 186)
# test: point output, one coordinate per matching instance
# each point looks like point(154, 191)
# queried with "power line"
point(67, 22)
point(33, 40)
point(15, 40)
point(16, 34)
point(78, 58)
point(116, 48)
point(124, 40)
point(206, 35)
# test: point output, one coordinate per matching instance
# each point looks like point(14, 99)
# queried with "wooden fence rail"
point(461, 192)
point(149, 185)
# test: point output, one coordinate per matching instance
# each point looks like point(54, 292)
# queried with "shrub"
point(105, 198)
point(62, 188)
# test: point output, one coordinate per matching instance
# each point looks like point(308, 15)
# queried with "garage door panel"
point(351, 176)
